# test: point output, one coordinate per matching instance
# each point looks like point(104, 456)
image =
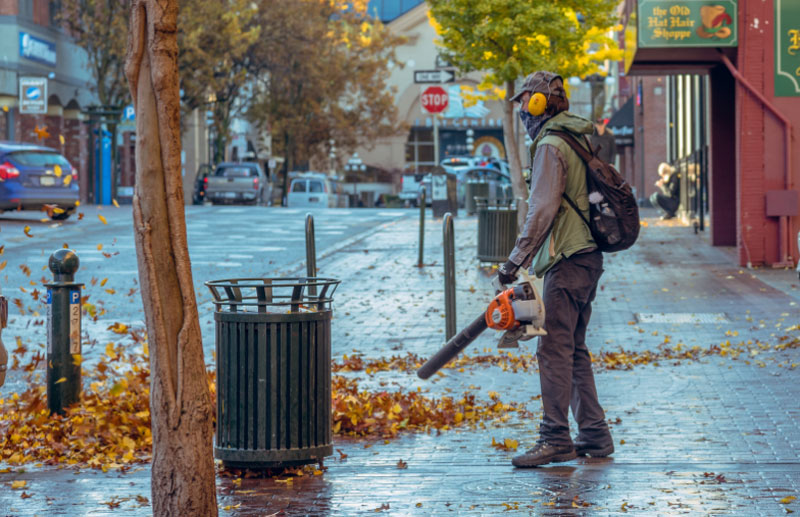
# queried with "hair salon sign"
point(688, 23)
point(787, 48)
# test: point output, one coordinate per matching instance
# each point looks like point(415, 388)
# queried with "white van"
point(311, 190)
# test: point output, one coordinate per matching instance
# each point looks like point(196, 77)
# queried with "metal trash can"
point(474, 189)
point(367, 199)
point(497, 230)
point(273, 343)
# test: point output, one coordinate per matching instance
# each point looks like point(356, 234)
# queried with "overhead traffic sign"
point(433, 76)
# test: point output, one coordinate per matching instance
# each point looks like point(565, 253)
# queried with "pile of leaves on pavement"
point(110, 428)
point(620, 359)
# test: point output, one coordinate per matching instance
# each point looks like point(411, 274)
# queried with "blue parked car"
point(32, 176)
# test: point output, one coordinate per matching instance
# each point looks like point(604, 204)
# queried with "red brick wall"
point(760, 139)
point(650, 140)
point(3, 124)
point(24, 125)
point(9, 7)
point(75, 150)
point(789, 107)
point(41, 12)
point(54, 125)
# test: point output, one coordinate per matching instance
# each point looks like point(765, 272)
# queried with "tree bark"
point(512, 152)
point(183, 477)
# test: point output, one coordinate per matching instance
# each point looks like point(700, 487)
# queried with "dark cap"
point(541, 81)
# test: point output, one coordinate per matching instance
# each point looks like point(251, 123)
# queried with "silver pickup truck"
point(238, 183)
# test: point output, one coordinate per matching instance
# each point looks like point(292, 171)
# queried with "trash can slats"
point(274, 373)
point(497, 231)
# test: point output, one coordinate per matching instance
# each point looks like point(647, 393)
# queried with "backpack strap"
point(575, 207)
point(584, 155)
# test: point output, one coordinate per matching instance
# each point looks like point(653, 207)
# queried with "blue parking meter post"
point(102, 167)
point(63, 332)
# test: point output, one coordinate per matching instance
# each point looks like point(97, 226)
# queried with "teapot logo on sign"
point(687, 23)
point(714, 22)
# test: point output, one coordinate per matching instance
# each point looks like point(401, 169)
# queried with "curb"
point(345, 244)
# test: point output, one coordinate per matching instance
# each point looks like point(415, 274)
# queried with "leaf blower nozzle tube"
point(453, 347)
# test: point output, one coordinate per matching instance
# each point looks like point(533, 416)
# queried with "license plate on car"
point(47, 181)
point(313, 199)
point(229, 195)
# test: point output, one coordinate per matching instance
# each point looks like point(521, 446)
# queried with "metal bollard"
point(449, 277)
point(421, 227)
point(3, 352)
point(63, 332)
point(311, 253)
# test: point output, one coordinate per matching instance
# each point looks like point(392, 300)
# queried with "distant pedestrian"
point(667, 198)
point(603, 141)
point(557, 244)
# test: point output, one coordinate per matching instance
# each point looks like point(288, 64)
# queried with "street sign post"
point(434, 76)
point(33, 95)
point(434, 100)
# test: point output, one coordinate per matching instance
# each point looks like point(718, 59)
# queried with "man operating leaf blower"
point(557, 244)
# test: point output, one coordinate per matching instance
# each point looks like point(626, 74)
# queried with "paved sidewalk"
point(709, 434)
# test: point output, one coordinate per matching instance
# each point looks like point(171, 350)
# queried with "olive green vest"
point(569, 234)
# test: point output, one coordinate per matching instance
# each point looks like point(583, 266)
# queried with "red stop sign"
point(434, 99)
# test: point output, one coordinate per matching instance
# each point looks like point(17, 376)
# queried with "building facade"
point(729, 75)
point(33, 46)
point(413, 151)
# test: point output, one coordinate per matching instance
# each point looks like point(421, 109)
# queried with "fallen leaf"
point(788, 499)
point(402, 464)
point(20, 483)
point(102, 219)
point(27, 231)
point(62, 379)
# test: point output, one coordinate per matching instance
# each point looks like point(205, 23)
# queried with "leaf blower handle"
point(453, 347)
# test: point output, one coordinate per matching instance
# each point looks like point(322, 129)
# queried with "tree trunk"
point(183, 478)
point(512, 152)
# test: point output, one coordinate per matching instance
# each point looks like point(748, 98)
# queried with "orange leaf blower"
point(518, 311)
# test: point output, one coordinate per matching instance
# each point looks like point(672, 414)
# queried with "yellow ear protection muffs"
point(537, 104)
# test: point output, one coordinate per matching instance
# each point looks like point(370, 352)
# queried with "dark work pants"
point(565, 368)
point(667, 204)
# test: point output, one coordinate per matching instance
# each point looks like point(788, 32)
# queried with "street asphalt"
point(711, 430)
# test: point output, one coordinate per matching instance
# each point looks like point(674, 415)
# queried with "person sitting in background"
point(668, 198)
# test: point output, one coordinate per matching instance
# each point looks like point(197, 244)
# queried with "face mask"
point(533, 124)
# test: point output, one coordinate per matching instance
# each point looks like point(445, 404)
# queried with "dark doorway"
point(723, 157)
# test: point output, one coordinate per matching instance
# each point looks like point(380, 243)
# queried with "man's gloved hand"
point(507, 273)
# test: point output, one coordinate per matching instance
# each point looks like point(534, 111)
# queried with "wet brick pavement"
point(712, 436)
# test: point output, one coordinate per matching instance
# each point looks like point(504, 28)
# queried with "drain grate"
point(682, 317)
